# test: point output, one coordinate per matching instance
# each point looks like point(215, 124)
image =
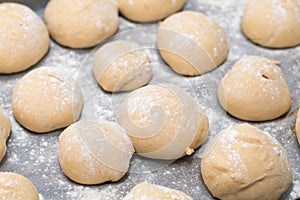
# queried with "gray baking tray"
point(36, 155)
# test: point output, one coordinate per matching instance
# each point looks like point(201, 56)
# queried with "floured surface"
point(36, 156)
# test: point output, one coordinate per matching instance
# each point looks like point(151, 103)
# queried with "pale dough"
point(24, 38)
point(163, 122)
point(191, 43)
point(244, 163)
point(298, 126)
point(46, 99)
point(81, 23)
point(255, 90)
point(94, 152)
point(155, 192)
point(272, 23)
point(149, 10)
point(5, 128)
point(122, 66)
point(14, 186)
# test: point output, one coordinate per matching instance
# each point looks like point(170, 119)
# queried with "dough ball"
point(272, 23)
point(46, 99)
point(149, 10)
point(244, 163)
point(93, 152)
point(163, 122)
point(24, 38)
point(122, 66)
point(298, 126)
point(255, 90)
point(151, 191)
point(5, 128)
point(191, 43)
point(81, 23)
point(16, 186)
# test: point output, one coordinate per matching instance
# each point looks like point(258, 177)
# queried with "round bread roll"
point(93, 152)
point(122, 66)
point(298, 126)
point(191, 43)
point(5, 128)
point(244, 163)
point(24, 38)
point(149, 10)
point(15, 186)
point(151, 191)
point(163, 122)
point(278, 25)
point(255, 90)
point(81, 23)
point(46, 99)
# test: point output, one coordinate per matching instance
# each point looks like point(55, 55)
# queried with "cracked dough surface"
point(255, 89)
point(24, 38)
point(46, 99)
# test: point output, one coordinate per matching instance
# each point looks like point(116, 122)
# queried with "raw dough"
point(93, 152)
point(163, 122)
point(122, 66)
point(244, 163)
point(5, 128)
point(81, 23)
point(298, 126)
point(155, 192)
point(149, 10)
point(272, 23)
point(46, 99)
point(255, 89)
point(15, 186)
point(24, 38)
point(191, 43)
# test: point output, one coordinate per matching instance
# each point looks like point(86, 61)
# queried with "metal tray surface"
point(36, 155)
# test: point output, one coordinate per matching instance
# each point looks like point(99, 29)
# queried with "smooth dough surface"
point(15, 186)
point(163, 122)
point(278, 25)
point(244, 163)
point(94, 152)
point(5, 128)
point(298, 126)
point(155, 192)
point(122, 66)
point(46, 99)
point(81, 23)
point(149, 10)
point(255, 90)
point(24, 38)
point(192, 44)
